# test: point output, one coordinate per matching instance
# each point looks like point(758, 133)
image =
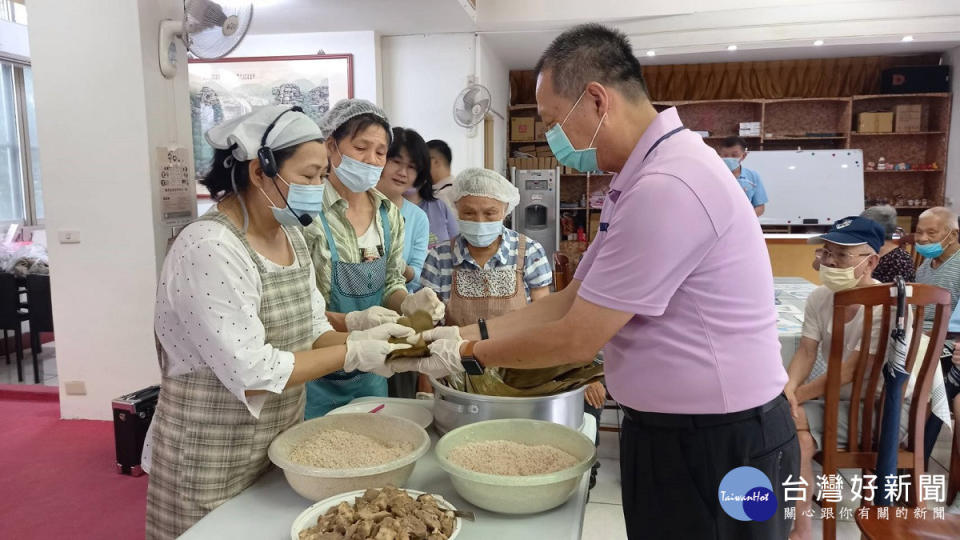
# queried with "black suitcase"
point(915, 79)
point(132, 414)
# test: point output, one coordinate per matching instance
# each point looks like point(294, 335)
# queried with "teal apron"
point(353, 287)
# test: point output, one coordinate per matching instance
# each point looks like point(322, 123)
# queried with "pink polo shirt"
point(683, 251)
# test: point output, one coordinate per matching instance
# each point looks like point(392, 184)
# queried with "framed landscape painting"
point(229, 87)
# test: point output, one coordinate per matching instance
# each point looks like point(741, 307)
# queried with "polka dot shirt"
point(207, 314)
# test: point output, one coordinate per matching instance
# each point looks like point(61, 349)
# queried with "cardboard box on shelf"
point(875, 122)
point(885, 122)
point(527, 148)
point(521, 128)
point(909, 118)
point(539, 130)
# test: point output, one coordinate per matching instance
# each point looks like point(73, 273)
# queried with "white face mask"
point(840, 279)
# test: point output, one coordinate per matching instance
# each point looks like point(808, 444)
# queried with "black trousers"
point(671, 466)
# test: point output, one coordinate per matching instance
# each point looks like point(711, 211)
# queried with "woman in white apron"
point(357, 243)
point(240, 325)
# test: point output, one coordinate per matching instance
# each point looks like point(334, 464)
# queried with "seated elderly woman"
point(894, 260)
point(487, 269)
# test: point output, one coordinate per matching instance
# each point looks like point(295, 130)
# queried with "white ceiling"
point(389, 17)
point(680, 31)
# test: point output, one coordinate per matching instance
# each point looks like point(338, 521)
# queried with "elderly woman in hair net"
point(486, 271)
point(356, 244)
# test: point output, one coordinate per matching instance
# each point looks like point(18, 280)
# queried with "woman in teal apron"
point(357, 244)
point(240, 324)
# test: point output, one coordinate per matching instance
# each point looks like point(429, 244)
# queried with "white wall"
point(102, 110)
point(363, 46)
point(952, 57)
point(422, 76)
point(493, 74)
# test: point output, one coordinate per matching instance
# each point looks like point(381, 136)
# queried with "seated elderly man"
point(937, 242)
point(848, 258)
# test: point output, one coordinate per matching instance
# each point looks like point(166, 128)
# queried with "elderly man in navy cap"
point(847, 260)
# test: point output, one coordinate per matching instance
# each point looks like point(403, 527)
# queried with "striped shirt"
point(947, 275)
point(438, 268)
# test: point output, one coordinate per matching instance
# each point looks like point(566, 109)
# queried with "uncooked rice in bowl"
point(509, 458)
point(338, 449)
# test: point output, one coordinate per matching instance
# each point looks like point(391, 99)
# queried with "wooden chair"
point(924, 528)
point(863, 427)
point(13, 313)
point(41, 316)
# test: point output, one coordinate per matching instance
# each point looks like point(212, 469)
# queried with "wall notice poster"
point(178, 202)
point(229, 87)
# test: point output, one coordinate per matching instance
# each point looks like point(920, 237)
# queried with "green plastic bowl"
point(517, 494)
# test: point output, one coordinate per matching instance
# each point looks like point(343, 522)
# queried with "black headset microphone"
point(269, 166)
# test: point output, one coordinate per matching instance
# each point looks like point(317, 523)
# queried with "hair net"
point(485, 183)
point(344, 110)
point(247, 131)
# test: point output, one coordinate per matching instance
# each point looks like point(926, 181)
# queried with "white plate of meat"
point(382, 514)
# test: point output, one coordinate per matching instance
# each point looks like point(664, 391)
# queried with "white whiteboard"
point(825, 185)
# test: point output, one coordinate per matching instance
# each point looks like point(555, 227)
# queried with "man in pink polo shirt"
point(677, 289)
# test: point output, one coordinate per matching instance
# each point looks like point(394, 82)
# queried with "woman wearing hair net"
point(240, 324)
point(357, 247)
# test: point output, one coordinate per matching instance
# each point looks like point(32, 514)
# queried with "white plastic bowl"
point(318, 483)
point(518, 494)
point(308, 518)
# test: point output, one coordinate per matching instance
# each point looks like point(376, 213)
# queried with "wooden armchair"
point(866, 395)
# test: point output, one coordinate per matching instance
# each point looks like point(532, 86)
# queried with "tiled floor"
point(48, 369)
point(603, 519)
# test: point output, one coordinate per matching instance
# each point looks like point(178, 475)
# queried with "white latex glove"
point(370, 317)
point(423, 300)
point(381, 333)
point(444, 360)
point(370, 356)
point(442, 332)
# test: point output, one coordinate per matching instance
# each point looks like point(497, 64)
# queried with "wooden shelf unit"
point(790, 122)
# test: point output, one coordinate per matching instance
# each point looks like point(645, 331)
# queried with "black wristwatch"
point(469, 362)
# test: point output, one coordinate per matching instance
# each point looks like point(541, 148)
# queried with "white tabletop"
point(266, 509)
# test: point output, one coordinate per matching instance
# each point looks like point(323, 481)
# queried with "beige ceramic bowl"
point(318, 483)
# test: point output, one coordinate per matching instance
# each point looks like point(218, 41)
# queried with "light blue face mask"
point(933, 249)
point(306, 198)
point(357, 176)
point(302, 198)
point(480, 233)
point(732, 163)
point(582, 160)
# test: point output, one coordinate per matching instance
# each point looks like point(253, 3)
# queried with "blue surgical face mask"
point(480, 233)
point(732, 163)
point(357, 176)
point(306, 198)
point(582, 160)
point(303, 199)
point(933, 249)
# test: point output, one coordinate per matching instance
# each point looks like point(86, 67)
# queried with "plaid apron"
point(207, 447)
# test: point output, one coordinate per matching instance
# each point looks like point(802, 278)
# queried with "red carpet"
point(58, 478)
